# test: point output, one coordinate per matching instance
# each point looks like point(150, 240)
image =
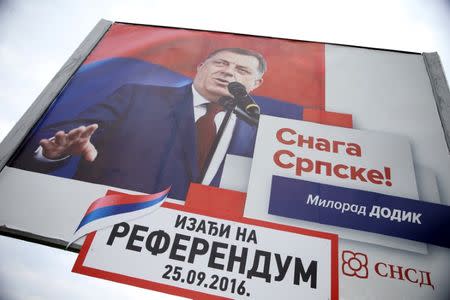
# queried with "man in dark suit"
point(146, 138)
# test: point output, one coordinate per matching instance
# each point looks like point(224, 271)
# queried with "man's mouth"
point(221, 81)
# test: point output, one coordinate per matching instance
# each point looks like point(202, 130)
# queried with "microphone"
point(230, 104)
point(243, 99)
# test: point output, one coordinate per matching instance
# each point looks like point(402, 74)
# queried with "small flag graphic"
point(116, 208)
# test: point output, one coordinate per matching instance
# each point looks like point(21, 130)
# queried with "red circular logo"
point(354, 264)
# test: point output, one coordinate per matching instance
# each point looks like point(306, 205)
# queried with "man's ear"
point(258, 82)
point(199, 66)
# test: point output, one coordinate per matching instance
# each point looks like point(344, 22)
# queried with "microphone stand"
point(229, 104)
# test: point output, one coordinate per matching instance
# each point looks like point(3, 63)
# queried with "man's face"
point(215, 73)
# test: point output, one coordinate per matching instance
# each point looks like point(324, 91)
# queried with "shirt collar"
point(199, 100)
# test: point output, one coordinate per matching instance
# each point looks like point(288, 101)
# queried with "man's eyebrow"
point(221, 60)
point(242, 67)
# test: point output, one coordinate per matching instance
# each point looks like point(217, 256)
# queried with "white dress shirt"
point(199, 111)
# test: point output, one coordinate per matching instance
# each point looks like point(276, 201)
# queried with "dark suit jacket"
point(147, 140)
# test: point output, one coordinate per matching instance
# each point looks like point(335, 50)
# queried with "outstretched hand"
point(75, 142)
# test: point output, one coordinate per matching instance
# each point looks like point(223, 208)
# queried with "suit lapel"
point(185, 123)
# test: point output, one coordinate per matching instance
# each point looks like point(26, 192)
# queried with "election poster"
point(200, 253)
point(213, 165)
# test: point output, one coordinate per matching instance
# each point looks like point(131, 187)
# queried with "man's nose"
point(228, 71)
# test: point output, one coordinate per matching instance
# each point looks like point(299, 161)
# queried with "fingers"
point(50, 149)
point(75, 142)
point(46, 144)
point(90, 153)
point(82, 132)
point(75, 134)
point(60, 138)
point(89, 131)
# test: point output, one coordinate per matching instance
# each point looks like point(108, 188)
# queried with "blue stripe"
point(117, 209)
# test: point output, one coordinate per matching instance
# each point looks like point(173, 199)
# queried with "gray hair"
point(262, 64)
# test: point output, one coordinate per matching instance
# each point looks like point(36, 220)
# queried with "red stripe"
point(302, 80)
point(328, 118)
point(119, 199)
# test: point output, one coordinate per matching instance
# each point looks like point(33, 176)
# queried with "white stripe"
point(112, 220)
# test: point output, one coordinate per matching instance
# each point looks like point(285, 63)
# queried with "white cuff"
point(40, 156)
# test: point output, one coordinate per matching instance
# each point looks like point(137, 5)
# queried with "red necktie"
point(206, 132)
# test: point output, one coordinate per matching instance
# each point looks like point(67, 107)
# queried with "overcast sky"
point(37, 37)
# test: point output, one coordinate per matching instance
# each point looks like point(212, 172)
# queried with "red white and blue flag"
point(116, 208)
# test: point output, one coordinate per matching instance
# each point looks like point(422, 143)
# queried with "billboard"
point(320, 150)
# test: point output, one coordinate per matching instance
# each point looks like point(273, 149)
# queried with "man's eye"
point(243, 72)
point(220, 63)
